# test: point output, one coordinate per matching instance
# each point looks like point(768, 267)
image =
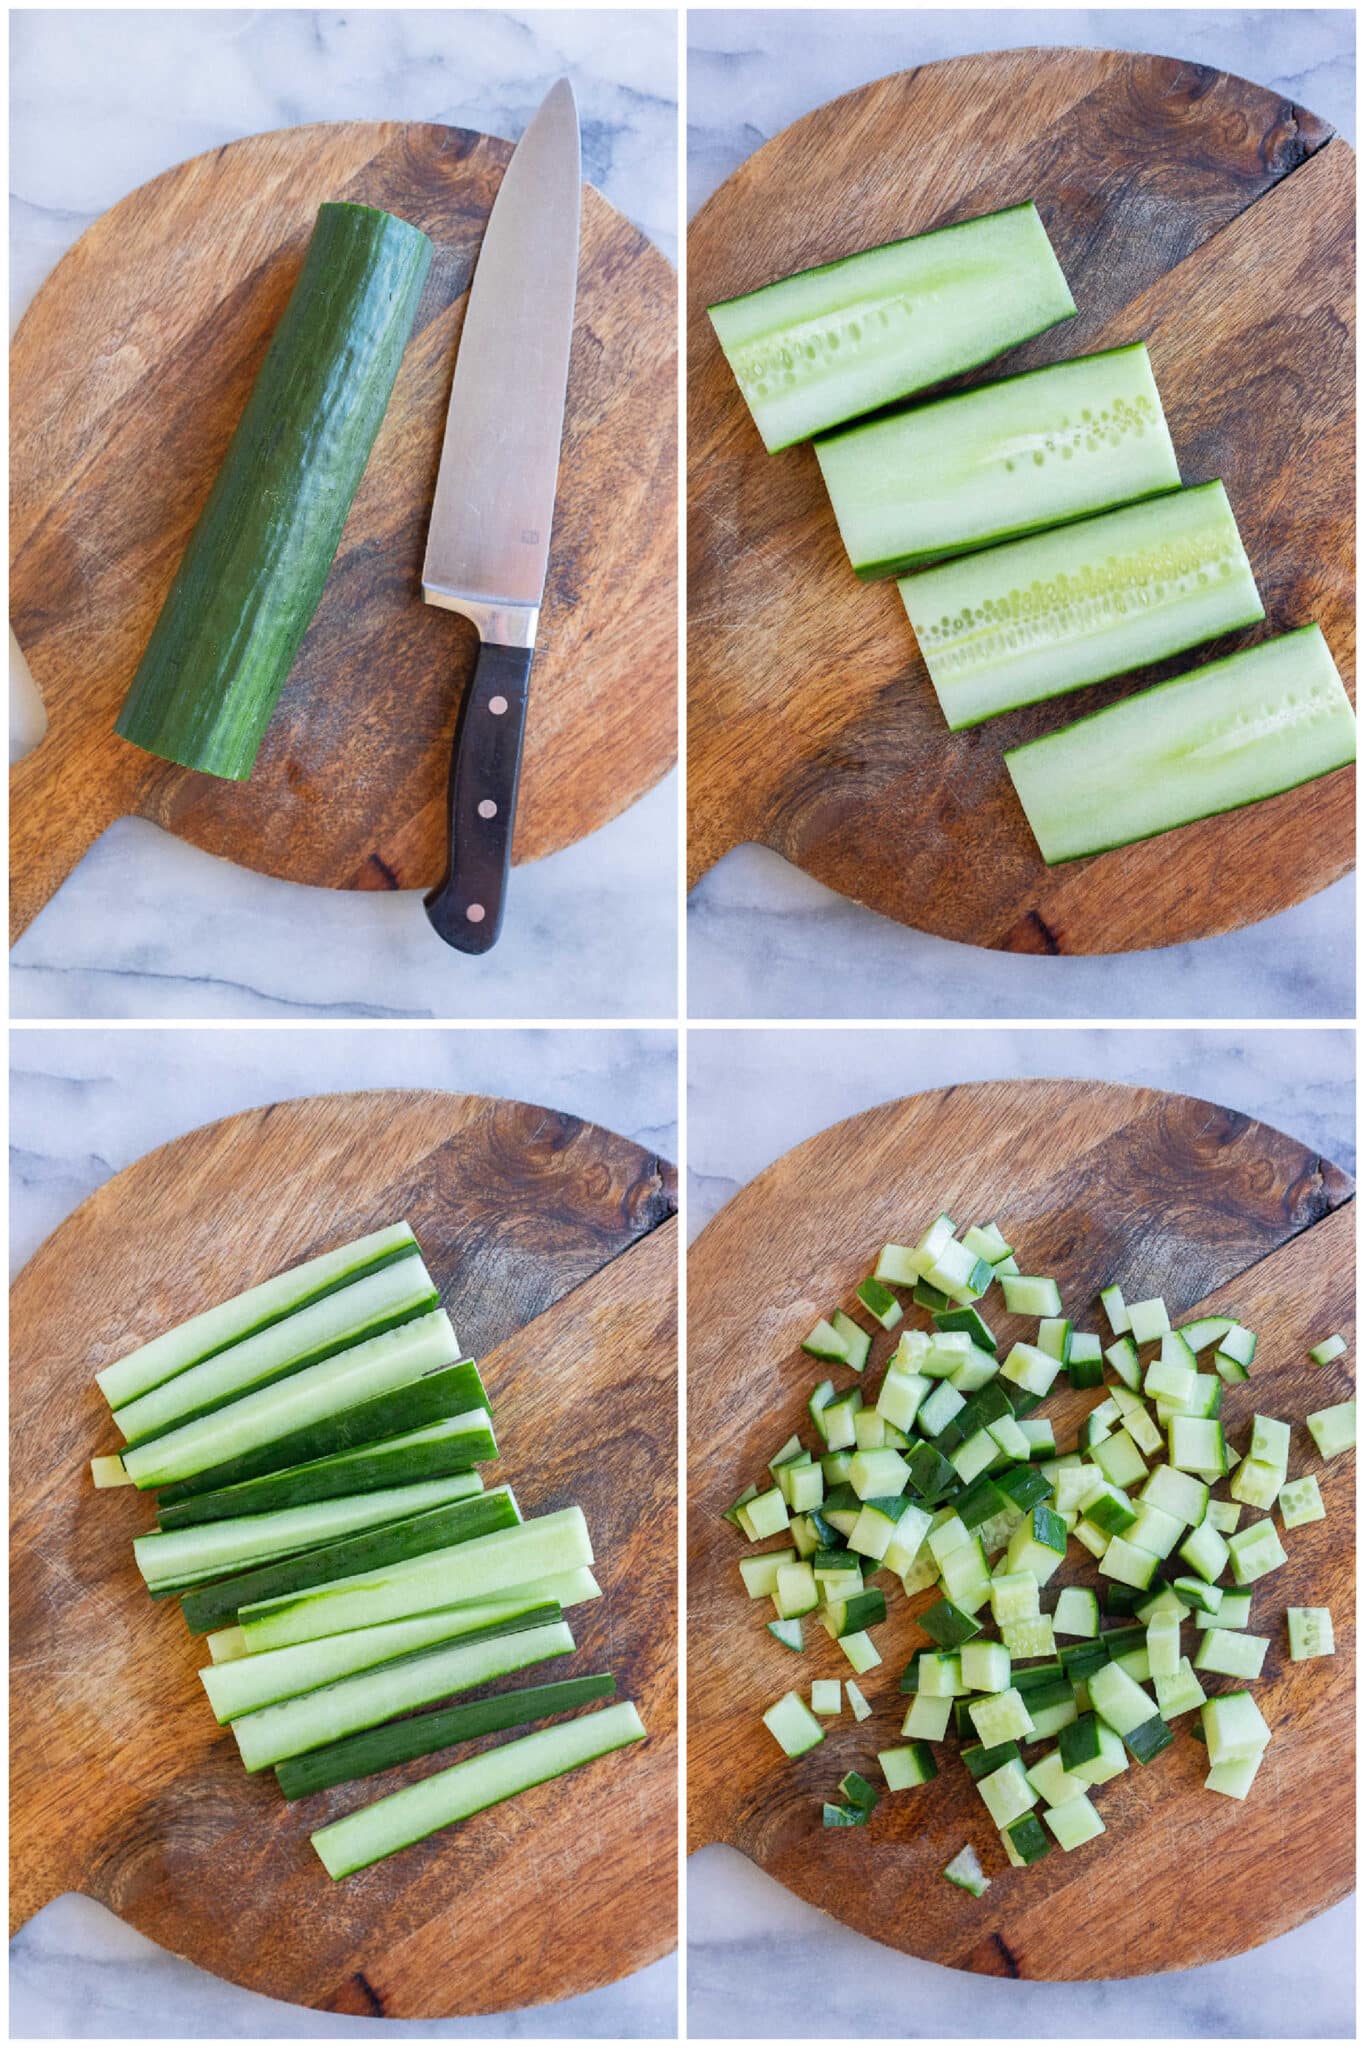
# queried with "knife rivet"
point(475, 913)
point(488, 809)
point(497, 705)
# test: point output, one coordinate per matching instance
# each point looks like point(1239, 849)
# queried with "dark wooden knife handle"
point(466, 905)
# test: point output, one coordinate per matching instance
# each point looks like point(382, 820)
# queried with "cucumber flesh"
point(826, 345)
point(1038, 617)
point(466, 1788)
point(1220, 737)
point(254, 569)
point(191, 1342)
point(1001, 460)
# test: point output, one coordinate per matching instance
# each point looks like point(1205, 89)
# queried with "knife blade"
point(488, 540)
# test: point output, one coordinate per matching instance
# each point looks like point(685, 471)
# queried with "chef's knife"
point(489, 538)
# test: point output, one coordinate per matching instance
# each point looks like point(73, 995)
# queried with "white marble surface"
point(83, 1104)
point(763, 1963)
point(102, 100)
point(763, 939)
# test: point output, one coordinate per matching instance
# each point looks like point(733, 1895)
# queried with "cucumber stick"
point(428, 1395)
point(439, 1450)
point(248, 1313)
point(1004, 459)
point(467, 1788)
point(385, 1548)
point(379, 1749)
point(292, 1404)
point(325, 1715)
point(366, 1308)
point(1222, 736)
point(243, 1685)
point(181, 1556)
point(483, 1569)
point(1038, 617)
point(828, 344)
point(254, 569)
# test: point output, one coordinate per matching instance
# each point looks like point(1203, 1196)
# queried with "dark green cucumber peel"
point(399, 1742)
point(332, 1479)
point(216, 1606)
point(452, 1390)
point(254, 569)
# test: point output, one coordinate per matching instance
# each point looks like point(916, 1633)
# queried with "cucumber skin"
point(322, 1481)
point(253, 572)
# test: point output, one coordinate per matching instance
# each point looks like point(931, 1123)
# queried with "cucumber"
point(180, 1557)
point(1222, 736)
point(254, 569)
point(191, 1342)
point(467, 1788)
point(825, 345)
point(998, 461)
point(214, 1606)
point(438, 1451)
point(1038, 617)
point(430, 1396)
point(396, 1294)
point(292, 1404)
point(379, 1749)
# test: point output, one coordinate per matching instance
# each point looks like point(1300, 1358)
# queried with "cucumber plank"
point(829, 344)
point(1001, 460)
point(254, 569)
point(426, 1395)
point(1222, 736)
point(191, 1342)
point(1037, 617)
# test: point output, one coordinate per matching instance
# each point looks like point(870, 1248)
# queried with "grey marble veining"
point(102, 100)
point(83, 1104)
point(763, 1963)
point(764, 940)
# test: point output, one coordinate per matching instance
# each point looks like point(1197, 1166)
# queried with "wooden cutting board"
point(129, 372)
point(554, 1245)
point(1167, 1195)
point(1189, 209)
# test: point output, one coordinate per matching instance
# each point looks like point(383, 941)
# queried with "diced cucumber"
point(1254, 1552)
point(1007, 1794)
point(1234, 1655)
point(880, 1302)
point(1001, 1717)
point(1122, 1356)
point(1074, 1823)
point(1333, 1430)
point(1031, 1295)
point(1205, 1552)
point(792, 1725)
point(1119, 1700)
point(1195, 1593)
point(1269, 1442)
point(861, 1652)
point(927, 1719)
point(796, 1592)
point(1205, 1330)
point(1256, 1486)
point(826, 1344)
point(1330, 1348)
point(1234, 1727)
point(1301, 1502)
point(904, 1767)
point(1225, 1515)
point(1197, 1446)
point(760, 1573)
point(1234, 1780)
point(1120, 1460)
point(857, 1341)
point(900, 1397)
point(789, 1633)
point(897, 1266)
point(1077, 1612)
point(1180, 1694)
point(1182, 1494)
point(826, 1697)
point(966, 1873)
point(861, 1710)
point(1310, 1633)
point(1025, 1841)
point(1233, 1610)
point(767, 1513)
point(1014, 1597)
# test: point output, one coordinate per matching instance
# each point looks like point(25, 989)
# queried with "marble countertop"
point(764, 940)
point(755, 1951)
point(103, 100)
point(83, 1105)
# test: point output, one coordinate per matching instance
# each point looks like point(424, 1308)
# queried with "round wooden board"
point(813, 728)
point(554, 1246)
point(1094, 1183)
point(129, 372)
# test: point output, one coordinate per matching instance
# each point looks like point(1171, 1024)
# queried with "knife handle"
point(466, 905)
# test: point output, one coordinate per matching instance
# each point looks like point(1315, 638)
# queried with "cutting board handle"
point(55, 816)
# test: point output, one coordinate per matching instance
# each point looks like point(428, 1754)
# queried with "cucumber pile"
point(314, 1446)
point(1039, 529)
point(951, 1481)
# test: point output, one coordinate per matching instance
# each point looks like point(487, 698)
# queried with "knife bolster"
point(499, 624)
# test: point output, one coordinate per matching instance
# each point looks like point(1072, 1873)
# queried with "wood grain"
point(1168, 1195)
point(554, 1245)
point(1188, 208)
point(129, 372)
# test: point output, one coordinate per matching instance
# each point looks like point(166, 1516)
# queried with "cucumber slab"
point(1005, 459)
point(825, 345)
point(254, 569)
point(380, 1301)
point(379, 1749)
point(467, 1788)
point(292, 1404)
point(372, 1550)
point(361, 1701)
point(1038, 617)
point(1220, 737)
point(247, 1314)
point(428, 1396)
point(441, 1450)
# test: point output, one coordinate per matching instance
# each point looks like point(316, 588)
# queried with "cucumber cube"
point(1024, 1841)
point(1077, 1612)
point(897, 1266)
point(1234, 1655)
point(1001, 1717)
point(874, 1475)
point(1254, 1552)
point(1300, 1502)
point(1119, 1700)
point(861, 1710)
point(985, 1666)
point(966, 1576)
point(792, 1725)
point(1124, 1359)
point(1054, 1337)
point(1111, 1762)
point(1076, 1821)
point(857, 1343)
point(1205, 1552)
point(912, 1765)
point(1256, 1486)
point(1182, 1494)
point(869, 1430)
point(1234, 1727)
point(1028, 1367)
point(1030, 1295)
point(1029, 1638)
point(796, 1592)
point(760, 1573)
point(1181, 1694)
point(1234, 1780)
point(1116, 1310)
point(1269, 1441)
point(1225, 1515)
point(1148, 1320)
point(939, 1409)
point(860, 1650)
point(1310, 1633)
point(1170, 1377)
point(1038, 1545)
point(1120, 1460)
point(1238, 1343)
point(949, 1626)
point(984, 1241)
point(767, 1513)
point(1198, 1447)
point(1014, 1597)
point(1007, 1793)
point(965, 1872)
point(1090, 1538)
point(1333, 1430)
point(1233, 1610)
point(940, 1676)
point(1196, 1593)
point(826, 1344)
point(880, 1302)
point(805, 1488)
point(1153, 1530)
point(1052, 1781)
point(975, 1456)
point(1163, 1646)
point(1123, 1561)
point(901, 1396)
point(928, 1718)
point(1330, 1348)
point(826, 1696)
